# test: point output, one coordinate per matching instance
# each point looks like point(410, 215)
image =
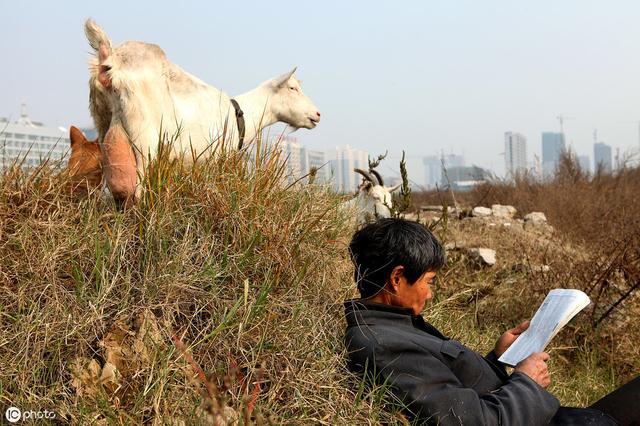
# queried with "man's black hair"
point(379, 247)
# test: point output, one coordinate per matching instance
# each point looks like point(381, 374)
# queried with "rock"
point(428, 218)
point(540, 228)
point(410, 216)
point(514, 226)
point(431, 208)
point(481, 212)
point(454, 245)
point(537, 222)
point(451, 211)
point(535, 217)
point(440, 209)
point(505, 212)
point(525, 267)
point(484, 256)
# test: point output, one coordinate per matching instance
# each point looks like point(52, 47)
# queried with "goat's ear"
point(76, 136)
point(283, 79)
point(395, 187)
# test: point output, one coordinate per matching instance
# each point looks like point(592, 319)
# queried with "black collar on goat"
point(239, 122)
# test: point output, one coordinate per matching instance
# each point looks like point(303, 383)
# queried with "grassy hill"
point(218, 298)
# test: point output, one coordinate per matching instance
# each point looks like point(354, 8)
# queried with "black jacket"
point(437, 378)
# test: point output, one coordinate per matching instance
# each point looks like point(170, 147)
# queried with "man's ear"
point(397, 274)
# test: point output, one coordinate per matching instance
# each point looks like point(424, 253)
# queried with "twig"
point(606, 314)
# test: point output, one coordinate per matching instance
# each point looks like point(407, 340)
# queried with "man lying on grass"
point(439, 380)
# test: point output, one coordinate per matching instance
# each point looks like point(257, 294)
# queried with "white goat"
point(136, 93)
point(373, 200)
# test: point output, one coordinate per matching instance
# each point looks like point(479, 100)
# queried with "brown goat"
point(85, 163)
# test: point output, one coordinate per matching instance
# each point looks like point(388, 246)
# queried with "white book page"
point(556, 311)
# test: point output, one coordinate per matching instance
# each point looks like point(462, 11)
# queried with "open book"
point(556, 311)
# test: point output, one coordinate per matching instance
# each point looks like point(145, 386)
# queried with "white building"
point(433, 167)
point(515, 154)
point(342, 162)
point(300, 160)
point(29, 142)
point(585, 163)
point(432, 170)
point(318, 160)
point(553, 147)
point(335, 166)
point(295, 155)
point(602, 158)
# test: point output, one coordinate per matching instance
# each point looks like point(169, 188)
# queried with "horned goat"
point(373, 200)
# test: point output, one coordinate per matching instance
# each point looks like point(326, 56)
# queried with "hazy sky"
point(423, 76)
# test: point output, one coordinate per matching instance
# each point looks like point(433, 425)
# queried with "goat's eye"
point(294, 88)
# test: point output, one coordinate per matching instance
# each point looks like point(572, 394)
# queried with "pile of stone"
point(505, 215)
point(497, 215)
point(482, 256)
point(496, 210)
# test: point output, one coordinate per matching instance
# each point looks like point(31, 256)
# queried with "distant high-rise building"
point(450, 162)
point(602, 157)
point(433, 167)
point(515, 153)
point(342, 162)
point(294, 154)
point(552, 148)
point(585, 163)
point(318, 160)
point(465, 178)
point(432, 170)
point(453, 160)
point(300, 160)
point(31, 142)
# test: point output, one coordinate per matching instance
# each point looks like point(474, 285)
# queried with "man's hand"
point(509, 337)
point(535, 366)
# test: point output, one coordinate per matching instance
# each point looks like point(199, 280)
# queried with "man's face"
point(414, 295)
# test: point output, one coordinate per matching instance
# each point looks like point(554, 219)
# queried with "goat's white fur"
point(373, 201)
point(149, 95)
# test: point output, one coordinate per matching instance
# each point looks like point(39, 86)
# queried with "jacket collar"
point(361, 311)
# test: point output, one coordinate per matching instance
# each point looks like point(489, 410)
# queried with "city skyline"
point(336, 165)
point(442, 77)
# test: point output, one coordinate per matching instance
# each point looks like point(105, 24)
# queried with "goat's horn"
point(377, 175)
point(366, 175)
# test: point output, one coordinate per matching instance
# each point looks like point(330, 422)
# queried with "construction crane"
point(561, 118)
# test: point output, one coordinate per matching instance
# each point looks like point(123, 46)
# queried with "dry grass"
point(247, 273)
point(595, 247)
point(219, 297)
